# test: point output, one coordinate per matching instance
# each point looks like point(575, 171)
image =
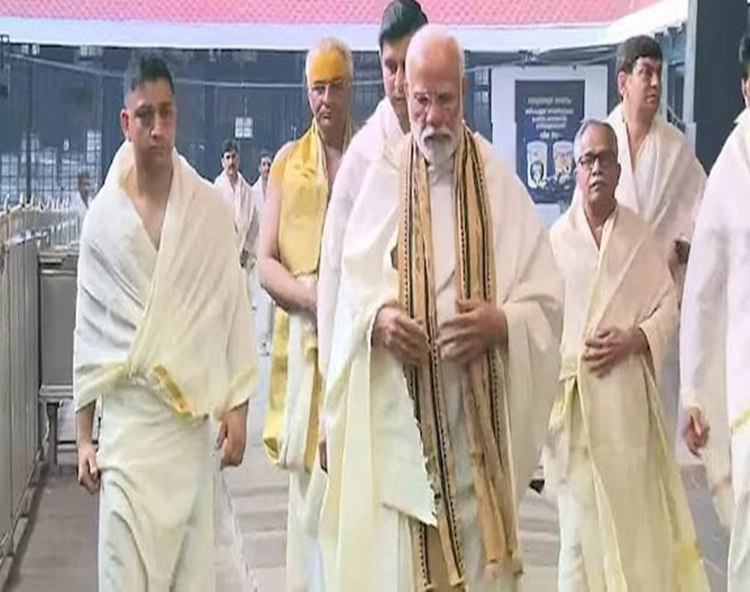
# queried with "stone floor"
point(61, 551)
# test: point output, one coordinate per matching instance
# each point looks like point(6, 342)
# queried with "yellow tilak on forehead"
point(327, 65)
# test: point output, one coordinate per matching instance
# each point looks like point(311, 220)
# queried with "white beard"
point(438, 152)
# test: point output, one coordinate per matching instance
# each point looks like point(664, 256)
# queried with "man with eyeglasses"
point(298, 191)
point(661, 178)
point(444, 357)
point(624, 518)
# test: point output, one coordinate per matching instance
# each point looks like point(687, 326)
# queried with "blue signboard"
point(548, 114)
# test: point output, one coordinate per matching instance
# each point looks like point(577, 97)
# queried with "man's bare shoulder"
point(279, 162)
point(284, 152)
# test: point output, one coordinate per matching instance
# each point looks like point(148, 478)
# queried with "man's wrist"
point(501, 328)
point(638, 341)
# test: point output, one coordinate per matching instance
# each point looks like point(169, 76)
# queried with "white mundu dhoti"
point(715, 341)
point(163, 351)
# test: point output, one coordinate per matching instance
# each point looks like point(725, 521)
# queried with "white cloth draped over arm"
point(530, 293)
point(382, 131)
point(365, 389)
point(345, 187)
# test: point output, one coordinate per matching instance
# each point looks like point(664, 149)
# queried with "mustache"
point(442, 133)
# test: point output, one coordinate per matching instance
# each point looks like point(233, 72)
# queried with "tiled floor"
point(61, 552)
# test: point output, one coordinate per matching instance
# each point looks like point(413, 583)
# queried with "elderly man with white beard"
point(444, 357)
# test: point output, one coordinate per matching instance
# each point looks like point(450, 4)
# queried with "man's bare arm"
point(88, 470)
point(286, 291)
point(233, 436)
point(85, 425)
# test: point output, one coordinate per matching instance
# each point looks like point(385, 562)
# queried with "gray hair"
point(430, 34)
point(330, 43)
point(582, 130)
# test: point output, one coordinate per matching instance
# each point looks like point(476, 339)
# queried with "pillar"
point(712, 73)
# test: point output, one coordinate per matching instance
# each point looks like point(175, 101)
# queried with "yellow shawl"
point(304, 183)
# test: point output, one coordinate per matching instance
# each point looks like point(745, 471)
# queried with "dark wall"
point(712, 73)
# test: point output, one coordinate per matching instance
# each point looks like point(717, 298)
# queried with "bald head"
point(435, 86)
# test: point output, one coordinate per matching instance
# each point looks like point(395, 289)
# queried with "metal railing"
point(24, 231)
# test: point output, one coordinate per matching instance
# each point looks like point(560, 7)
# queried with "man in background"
point(238, 198)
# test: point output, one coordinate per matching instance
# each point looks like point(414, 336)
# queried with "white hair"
point(330, 43)
point(425, 39)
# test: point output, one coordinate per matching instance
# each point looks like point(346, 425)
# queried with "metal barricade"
point(6, 457)
point(57, 294)
point(23, 232)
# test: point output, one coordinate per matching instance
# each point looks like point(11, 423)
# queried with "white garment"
point(241, 203)
point(304, 568)
point(666, 185)
point(715, 339)
point(161, 349)
point(232, 570)
point(264, 305)
point(607, 451)
point(665, 188)
point(381, 132)
point(377, 476)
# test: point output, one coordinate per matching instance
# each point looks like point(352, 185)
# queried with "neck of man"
point(233, 178)
point(638, 122)
point(333, 138)
point(153, 183)
point(597, 213)
point(403, 122)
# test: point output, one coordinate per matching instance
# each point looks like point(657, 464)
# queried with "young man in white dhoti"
point(383, 131)
point(238, 197)
point(625, 523)
point(163, 339)
point(661, 180)
point(299, 186)
point(714, 344)
point(445, 355)
point(264, 307)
